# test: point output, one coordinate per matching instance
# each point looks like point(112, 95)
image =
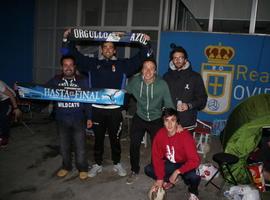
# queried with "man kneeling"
point(174, 153)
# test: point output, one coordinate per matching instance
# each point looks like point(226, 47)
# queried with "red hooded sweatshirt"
point(179, 148)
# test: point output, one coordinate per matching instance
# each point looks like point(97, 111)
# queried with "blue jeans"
point(190, 178)
point(71, 133)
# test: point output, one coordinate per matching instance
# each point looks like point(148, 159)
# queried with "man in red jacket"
point(174, 153)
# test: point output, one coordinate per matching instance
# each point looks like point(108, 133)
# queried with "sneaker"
point(192, 197)
point(94, 170)
point(62, 173)
point(120, 170)
point(132, 178)
point(83, 175)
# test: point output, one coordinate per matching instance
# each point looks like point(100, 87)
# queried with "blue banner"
point(69, 94)
point(233, 66)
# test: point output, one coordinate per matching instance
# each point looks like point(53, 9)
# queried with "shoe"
point(94, 170)
point(62, 173)
point(167, 185)
point(120, 170)
point(132, 178)
point(83, 175)
point(192, 197)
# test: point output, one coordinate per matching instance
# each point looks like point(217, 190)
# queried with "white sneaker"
point(94, 170)
point(192, 197)
point(120, 170)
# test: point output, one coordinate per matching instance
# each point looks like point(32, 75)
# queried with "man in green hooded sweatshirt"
point(152, 94)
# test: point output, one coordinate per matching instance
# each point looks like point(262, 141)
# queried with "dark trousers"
point(5, 118)
point(110, 121)
point(190, 178)
point(71, 133)
point(138, 128)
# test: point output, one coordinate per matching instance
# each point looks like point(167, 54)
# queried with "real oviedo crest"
point(218, 78)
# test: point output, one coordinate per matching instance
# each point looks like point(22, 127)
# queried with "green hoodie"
point(151, 98)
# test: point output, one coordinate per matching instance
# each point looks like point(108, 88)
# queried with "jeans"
point(190, 178)
point(71, 132)
point(138, 128)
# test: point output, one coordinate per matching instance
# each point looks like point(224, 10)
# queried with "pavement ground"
point(29, 164)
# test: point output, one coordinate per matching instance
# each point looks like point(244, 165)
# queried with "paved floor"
point(28, 166)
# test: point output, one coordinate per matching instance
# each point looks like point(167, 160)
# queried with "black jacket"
point(106, 73)
point(187, 85)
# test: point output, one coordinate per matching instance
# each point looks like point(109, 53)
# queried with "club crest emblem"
point(218, 78)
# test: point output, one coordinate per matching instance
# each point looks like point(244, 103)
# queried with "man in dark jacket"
point(186, 87)
point(70, 117)
point(107, 72)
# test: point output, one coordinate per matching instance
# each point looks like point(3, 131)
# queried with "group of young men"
point(181, 92)
point(166, 109)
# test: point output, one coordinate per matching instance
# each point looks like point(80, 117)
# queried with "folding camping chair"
point(201, 135)
point(224, 161)
point(26, 108)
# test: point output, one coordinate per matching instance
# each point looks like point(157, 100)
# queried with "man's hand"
point(174, 177)
point(147, 37)
point(67, 33)
point(89, 123)
point(182, 107)
point(179, 128)
point(157, 184)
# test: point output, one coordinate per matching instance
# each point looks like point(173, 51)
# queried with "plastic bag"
point(206, 171)
point(242, 192)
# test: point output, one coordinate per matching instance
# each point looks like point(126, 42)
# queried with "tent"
point(243, 131)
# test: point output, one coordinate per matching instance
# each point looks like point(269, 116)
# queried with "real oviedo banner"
point(233, 66)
